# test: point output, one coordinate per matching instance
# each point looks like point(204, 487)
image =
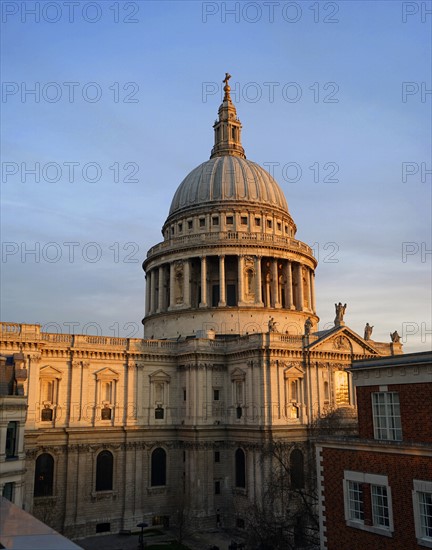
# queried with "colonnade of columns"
point(219, 281)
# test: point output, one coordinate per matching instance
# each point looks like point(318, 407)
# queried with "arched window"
point(158, 467)
point(240, 468)
point(104, 471)
point(297, 469)
point(44, 476)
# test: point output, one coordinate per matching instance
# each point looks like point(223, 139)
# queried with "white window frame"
point(419, 487)
point(354, 513)
point(373, 480)
point(387, 426)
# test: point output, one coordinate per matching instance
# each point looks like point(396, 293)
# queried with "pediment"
point(238, 374)
point(107, 374)
point(343, 340)
point(160, 376)
point(49, 372)
point(293, 372)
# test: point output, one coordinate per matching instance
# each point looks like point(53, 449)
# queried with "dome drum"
point(225, 287)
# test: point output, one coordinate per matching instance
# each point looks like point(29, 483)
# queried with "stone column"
point(309, 280)
point(275, 284)
point(258, 281)
point(289, 286)
point(222, 284)
point(172, 286)
point(152, 292)
point(312, 274)
point(186, 284)
point(160, 291)
point(267, 289)
point(299, 277)
point(240, 279)
point(203, 282)
point(147, 299)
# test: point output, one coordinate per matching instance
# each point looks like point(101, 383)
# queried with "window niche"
point(159, 393)
point(49, 384)
point(293, 392)
point(106, 392)
point(238, 381)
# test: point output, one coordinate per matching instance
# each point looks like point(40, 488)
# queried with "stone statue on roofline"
point(394, 337)
point(308, 326)
point(368, 331)
point(340, 312)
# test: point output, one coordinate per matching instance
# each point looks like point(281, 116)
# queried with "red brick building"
point(375, 490)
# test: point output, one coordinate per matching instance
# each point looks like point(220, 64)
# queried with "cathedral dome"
point(228, 178)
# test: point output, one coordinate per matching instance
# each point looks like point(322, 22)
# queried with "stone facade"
point(13, 408)
point(119, 430)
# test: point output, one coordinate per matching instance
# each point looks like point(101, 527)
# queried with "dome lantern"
point(227, 130)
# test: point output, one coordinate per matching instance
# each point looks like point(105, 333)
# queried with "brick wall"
point(396, 467)
point(416, 411)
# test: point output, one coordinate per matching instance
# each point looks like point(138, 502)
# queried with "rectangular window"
point(230, 220)
point(202, 222)
point(180, 227)
point(8, 490)
point(269, 224)
point(362, 488)
point(217, 487)
point(422, 505)
point(184, 395)
point(11, 439)
point(215, 220)
point(425, 505)
point(386, 416)
point(190, 224)
point(380, 508)
point(159, 413)
point(355, 501)
point(279, 226)
point(258, 221)
point(217, 456)
point(243, 220)
point(216, 395)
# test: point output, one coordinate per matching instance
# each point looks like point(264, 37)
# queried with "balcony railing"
point(230, 237)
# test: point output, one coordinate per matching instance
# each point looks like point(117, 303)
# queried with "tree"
point(285, 518)
point(183, 518)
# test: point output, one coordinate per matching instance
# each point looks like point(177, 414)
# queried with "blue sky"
point(138, 117)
